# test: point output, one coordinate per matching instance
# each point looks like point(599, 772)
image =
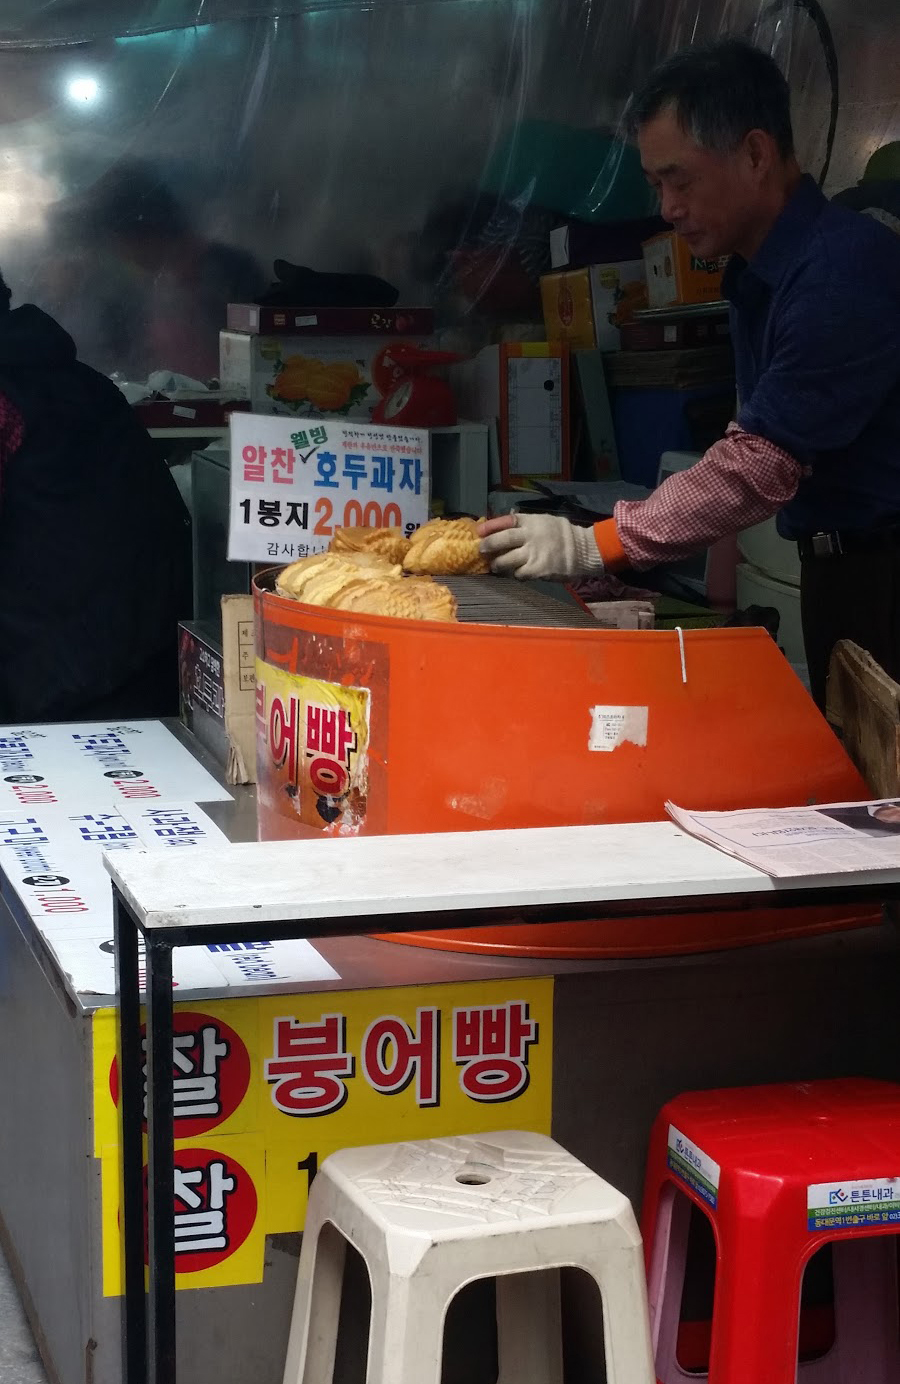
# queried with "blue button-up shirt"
point(816, 331)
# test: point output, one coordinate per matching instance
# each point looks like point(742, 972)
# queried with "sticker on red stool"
point(837, 1205)
point(693, 1166)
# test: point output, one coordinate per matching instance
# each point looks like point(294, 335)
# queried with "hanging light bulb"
point(83, 91)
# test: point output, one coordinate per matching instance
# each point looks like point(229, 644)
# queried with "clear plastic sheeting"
point(158, 155)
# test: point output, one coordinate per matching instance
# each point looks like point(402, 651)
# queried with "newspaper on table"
point(832, 838)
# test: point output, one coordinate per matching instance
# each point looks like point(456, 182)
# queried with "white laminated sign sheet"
point(294, 481)
point(51, 858)
point(86, 766)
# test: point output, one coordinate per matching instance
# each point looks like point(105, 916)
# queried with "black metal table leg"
point(131, 1087)
point(160, 1164)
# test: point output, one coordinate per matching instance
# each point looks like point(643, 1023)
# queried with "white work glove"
point(542, 546)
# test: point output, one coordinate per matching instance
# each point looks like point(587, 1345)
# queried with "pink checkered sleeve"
point(740, 481)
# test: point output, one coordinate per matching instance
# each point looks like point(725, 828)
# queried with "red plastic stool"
point(779, 1171)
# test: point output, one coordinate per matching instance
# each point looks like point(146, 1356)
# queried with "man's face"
point(711, 199)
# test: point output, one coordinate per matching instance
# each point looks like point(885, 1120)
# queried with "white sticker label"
point(179, 411)
point(306, 321)
point(670, 333)
point(831, 1205)
point(612, 726)
point(694, 1167)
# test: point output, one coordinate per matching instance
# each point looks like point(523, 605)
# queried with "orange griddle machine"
point(527, 714)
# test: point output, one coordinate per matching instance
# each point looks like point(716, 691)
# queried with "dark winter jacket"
point(94, 538)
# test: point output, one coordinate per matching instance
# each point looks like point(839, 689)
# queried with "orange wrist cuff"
point(606, 535)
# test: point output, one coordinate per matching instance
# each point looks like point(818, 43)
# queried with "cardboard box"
point(217, 679)
point(382, 322)
point(674, 275)
point(303, 377)
point(568, 309)
point(863, 702)
point(618, 291)
point(587, 307)
point(579, 244)
point(693, 369)
point(676, 334)
point(197, 413)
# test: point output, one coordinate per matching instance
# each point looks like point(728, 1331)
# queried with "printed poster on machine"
point(294, 481)
point(314, 748)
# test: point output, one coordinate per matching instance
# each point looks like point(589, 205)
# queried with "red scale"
point(411, 397)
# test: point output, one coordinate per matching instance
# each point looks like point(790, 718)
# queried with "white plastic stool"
point(430, 1217)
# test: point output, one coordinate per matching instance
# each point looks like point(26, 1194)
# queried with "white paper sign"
point(91, 968)
point(268, 965)
point(295, 480)
point(61, 886)
point(90, 965)
point(52, 859)
point(86, 766)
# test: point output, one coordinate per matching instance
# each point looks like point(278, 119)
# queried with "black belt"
point(846, 541)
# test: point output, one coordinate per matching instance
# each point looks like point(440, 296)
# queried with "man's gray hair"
point(719, 92)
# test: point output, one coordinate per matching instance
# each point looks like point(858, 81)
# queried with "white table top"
point(289, 881)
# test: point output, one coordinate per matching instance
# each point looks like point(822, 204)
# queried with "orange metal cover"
point(374, 725)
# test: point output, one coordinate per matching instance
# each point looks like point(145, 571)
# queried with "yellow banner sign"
point(265, 1089)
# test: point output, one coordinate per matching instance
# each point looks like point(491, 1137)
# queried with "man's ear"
point(761, 151)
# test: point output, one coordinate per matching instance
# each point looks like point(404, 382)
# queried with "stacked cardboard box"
point(314, 362)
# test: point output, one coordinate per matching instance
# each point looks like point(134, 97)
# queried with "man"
point(190, 280)
point(871, 819)
point(815, 295)
point(94, 539)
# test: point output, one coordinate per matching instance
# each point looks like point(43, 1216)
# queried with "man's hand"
point(539, 546)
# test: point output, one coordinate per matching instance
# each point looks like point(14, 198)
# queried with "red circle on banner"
point(227, 1209)
point(227, 1192)
point(217, 1076)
